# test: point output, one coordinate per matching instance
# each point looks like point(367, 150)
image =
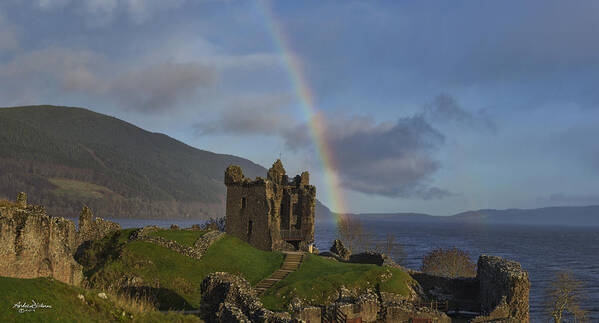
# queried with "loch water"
point(542, 250)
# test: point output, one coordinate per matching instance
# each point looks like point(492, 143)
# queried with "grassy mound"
point(318, 279)
point(184, 237)
point(171, 279)
point(67, 307)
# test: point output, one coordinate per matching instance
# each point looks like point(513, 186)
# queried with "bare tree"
point(451, 262)
point(564, 294)
point(389, 247)
point(350, 231)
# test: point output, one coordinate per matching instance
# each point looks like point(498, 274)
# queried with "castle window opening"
point(243, 202)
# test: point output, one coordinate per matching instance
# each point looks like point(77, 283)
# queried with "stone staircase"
point(291, 263)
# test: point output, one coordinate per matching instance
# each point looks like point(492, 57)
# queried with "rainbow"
point(315, 119)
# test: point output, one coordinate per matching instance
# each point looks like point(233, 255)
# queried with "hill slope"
point(66, 157)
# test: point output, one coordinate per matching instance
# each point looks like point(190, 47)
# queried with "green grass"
point(176, 278)
point(66, 307)
point(184, 237)
point(318, 279)
point(79, 189)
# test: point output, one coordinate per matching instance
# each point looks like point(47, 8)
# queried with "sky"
point(432, 107)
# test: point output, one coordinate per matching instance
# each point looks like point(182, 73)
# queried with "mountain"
point(562, 215)
point(66, 157)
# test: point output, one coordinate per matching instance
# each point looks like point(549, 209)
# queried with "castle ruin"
point(273, 213)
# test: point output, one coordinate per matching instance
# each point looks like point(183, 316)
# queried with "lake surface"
point(541, 250)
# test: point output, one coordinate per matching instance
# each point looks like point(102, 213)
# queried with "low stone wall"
point(205, 241)
point(197, 251)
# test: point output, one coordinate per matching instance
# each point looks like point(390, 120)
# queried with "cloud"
point(151, 88)
point(159, 86)
point(40, 73)
point(393, 159)
point(102, 12)
point(257, 115)
point(389, 159)
point(445, 108)
point(8, 35)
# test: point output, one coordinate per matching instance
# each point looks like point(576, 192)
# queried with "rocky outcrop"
point(339, 249)
point(504, 289)
point(229, 298)
point(33, 244)
point(93, 229)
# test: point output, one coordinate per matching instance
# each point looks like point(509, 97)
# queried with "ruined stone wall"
point(462, 293)
point(249, 213)
point(499, 292)
point(230, 298)
point(32, 244)
point(92, 229)
point(504, 288)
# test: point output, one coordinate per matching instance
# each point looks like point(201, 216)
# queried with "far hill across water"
point(66, 157)
point(562, 215)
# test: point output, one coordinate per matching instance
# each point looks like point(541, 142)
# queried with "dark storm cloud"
point(390, 159)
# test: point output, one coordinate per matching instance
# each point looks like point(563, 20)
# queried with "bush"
point(451, 262)
point(215, 224)
point(564, 295)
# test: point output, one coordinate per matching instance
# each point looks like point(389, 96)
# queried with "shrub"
point(451, 262)
point(215, 224)
point(564, 295)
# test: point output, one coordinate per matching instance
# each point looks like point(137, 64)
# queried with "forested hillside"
point(67, 157)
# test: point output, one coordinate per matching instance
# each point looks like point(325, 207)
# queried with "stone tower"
point(273, 213)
